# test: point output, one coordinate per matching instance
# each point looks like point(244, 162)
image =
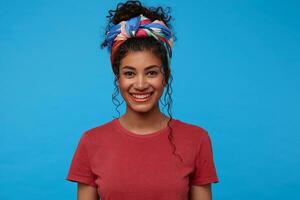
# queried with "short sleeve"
point(80, 169)
point(205, 171)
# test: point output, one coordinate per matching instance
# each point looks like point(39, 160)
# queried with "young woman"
point(144, 154)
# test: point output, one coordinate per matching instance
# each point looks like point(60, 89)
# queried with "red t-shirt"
point(123, 165)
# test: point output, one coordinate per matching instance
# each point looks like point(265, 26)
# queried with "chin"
point(141, 107)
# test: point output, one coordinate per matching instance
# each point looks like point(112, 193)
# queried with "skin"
point(86, 192)
point(142, 72)
point(202, 192)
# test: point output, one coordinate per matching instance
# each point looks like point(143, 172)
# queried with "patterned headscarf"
point(139, 27)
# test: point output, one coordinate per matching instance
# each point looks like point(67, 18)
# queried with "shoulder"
point(193, 131)
point(191, 136)
point(192, 128)
point(99, 131)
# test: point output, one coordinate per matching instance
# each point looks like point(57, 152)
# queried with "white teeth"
point(140, 96)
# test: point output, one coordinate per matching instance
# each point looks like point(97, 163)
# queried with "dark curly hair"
point(123, 12)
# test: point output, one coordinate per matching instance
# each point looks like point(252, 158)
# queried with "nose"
point(141, 82)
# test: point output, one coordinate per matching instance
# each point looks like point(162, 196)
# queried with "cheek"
point(124, 85)
point(157, 84)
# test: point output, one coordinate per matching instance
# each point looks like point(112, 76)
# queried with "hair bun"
point(128, 10)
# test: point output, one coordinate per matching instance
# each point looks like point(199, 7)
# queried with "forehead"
point(140, 60)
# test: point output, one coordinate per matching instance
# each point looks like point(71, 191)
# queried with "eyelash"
point(130, 73)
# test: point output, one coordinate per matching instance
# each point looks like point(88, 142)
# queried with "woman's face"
point(141, 81)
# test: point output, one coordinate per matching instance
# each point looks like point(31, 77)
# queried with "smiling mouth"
point(141, 97)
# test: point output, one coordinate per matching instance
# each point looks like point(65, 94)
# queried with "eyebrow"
point(149, 67)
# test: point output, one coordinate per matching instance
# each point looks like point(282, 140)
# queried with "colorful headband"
point(139, 27)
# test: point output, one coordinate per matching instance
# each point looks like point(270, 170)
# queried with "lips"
point(138, 97)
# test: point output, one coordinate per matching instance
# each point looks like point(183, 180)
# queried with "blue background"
point(236, 73)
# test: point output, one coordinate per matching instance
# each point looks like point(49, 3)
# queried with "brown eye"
point(128, 74)
point(152, 73)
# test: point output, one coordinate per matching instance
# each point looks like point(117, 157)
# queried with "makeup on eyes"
point(153, 69)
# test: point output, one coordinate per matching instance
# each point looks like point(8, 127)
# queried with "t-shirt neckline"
point(155, 134)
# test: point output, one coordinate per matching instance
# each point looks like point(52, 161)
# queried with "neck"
point(140, 120)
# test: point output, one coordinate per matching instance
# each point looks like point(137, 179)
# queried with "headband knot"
point(132, 26)
point(139, 27)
